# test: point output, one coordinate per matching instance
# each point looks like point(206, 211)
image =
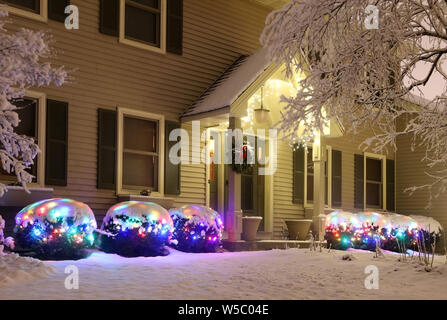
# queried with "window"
point(31, 112)
point(30, 5)
point(143, 24)
point(309, 173)
point(370, 182)
point(374, 183)
point(140, 165)
point(35, 9)
point(140, 154)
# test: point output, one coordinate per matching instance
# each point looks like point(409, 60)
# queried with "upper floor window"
point(30, 5)
point(40, 10)
point(143, 24)
point(35, 9)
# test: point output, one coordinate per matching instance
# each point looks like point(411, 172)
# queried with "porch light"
point(212, 146)
point(262, 115)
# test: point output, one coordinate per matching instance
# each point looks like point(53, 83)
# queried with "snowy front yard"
point(287, 274)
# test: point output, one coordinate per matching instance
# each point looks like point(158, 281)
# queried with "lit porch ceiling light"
point(262, 115)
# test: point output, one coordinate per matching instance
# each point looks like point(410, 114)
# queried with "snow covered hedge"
point(55, 229)
point(136, 228)
point(369, 230)
point(196, 228)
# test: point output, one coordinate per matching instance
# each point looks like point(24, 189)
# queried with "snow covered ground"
point(277, 274)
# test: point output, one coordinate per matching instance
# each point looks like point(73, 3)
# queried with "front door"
point(252, 192)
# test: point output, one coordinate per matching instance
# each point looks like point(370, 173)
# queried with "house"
point(144, 68)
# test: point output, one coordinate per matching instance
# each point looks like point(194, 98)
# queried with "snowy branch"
point(363, 76)
point(21, 68)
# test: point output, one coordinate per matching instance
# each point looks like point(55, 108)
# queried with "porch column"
point(234, 214)
point(319, 159)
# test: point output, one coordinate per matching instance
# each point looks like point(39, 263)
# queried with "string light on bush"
point(369, 229)
point(197, 228)
point(55, 228)
point(136, 228)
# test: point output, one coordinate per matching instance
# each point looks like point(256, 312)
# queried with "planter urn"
point(250, 227)
point(298, 229)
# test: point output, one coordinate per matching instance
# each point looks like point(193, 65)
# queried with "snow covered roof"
point(231, 84)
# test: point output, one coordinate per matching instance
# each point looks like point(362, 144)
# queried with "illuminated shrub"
point(196, 229)
point(136, 228)
point(368, 230)
point(55, 229)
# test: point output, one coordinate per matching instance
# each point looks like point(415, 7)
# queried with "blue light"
point(346, 241)
point(37, 232)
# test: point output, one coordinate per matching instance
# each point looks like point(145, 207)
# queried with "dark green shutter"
point(56, 9)
point(174, 32)
point(172, 171)
point(298, 175)
point(390, 196)
point(109, 12)
point(56, 143)
point(106, 169)
point(358, 181)
point(336, 178)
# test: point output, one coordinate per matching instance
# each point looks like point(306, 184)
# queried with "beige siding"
point(411, 172)
point(109, 74)
point(350, 145)
point(193, 178)
point(283, 208)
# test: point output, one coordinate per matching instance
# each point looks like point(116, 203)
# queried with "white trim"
point(383, 159)
point(207, 169)
point(42, 16)
point(329, 177)
point(41, 135)
point(120, 143)
point(122, 32)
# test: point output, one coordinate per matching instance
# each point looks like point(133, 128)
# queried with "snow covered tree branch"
point(20, 69)
point(363, 76)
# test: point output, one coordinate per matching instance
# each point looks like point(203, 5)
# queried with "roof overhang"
point(230, 93)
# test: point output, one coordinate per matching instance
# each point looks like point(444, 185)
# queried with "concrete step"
point(262, 245)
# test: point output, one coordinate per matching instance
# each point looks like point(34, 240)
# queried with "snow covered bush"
point(8, 242)
point(136, 228)
point(55, 229)
point(196, 228)
point(20, 69)
point(369, 230)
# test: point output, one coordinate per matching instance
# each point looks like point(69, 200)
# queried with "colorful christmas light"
point(136, 228)
point(55, 228)
point(197, 228)
point(367, 230)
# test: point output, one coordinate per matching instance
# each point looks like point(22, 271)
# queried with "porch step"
point(262, 245)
